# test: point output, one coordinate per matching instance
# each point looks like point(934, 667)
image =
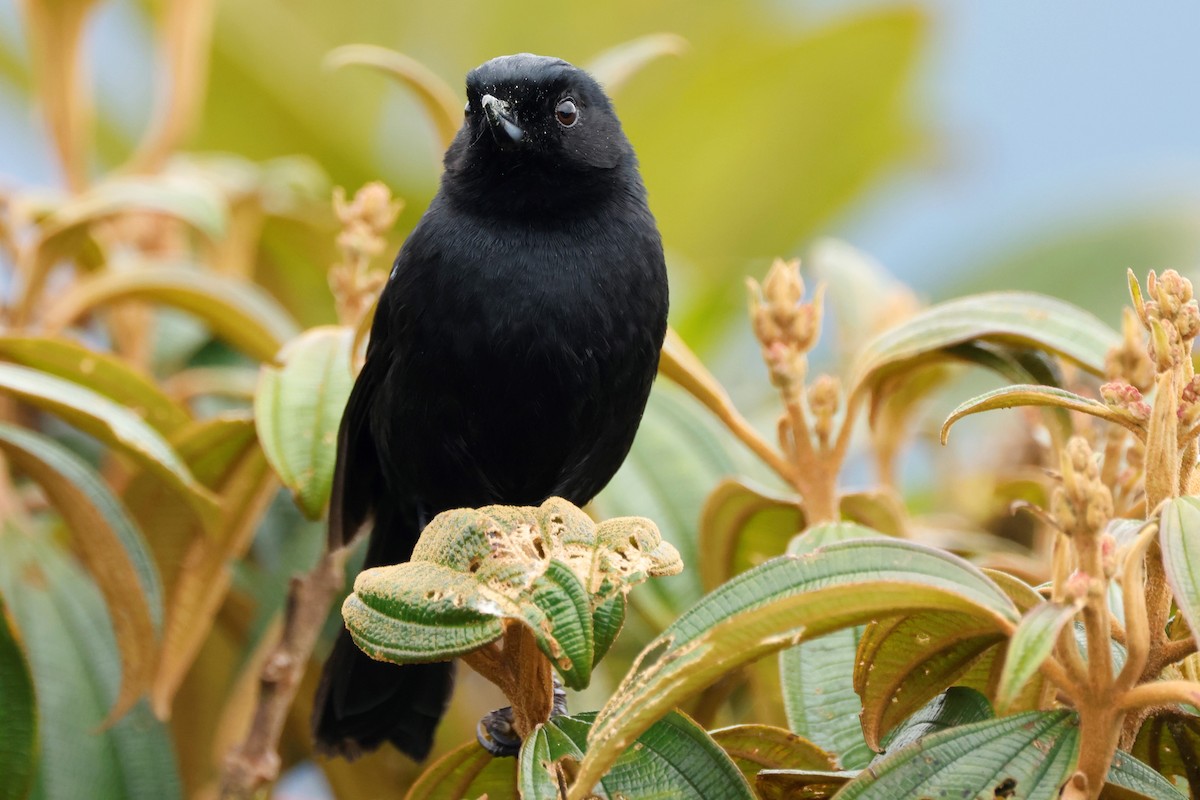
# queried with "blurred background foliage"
point(775, 123)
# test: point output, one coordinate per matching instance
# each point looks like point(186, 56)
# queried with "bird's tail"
point(362, 703)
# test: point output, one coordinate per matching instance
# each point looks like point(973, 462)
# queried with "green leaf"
point(795, 784)
point(1029, 646)
point(607, 621)
point(1179, 537)
point(235, 310)
point(112, 425)
point(1129, 773)
point(819, 698)
point(954, 707)
point(468, 771)
point(298, 408)
point(550, 567)
point(754, 748)
point(1032, 753)
point(111, 547)
point(673, 758)
point(1030, 395)
point(773, 606)
point(18, 714)
point(1170, 744)
point(1023, 319)
point(76, 674)
point(101, 372)
point(742, 525)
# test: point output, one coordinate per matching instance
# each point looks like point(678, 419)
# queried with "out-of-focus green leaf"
point(1025, 395)
point(1009, 318)
point(76, 673)
point(771, 607)
point(235, 310)
point(18, 714)
point(844, 120)
point(225, 455)
point(192, 201)
point(467, 771)
point(615, 66)
point(101, 372)
point(1029, 646)
point(113, 425)
point(439, 101)
point(742, 525)
point(549, 567)
point(1169, 744)
point(754, 748)
point(298, 408)
point(1035, 752)
point(1179, 530)
point(673, 758)
point(677, 457)
point(110, 546)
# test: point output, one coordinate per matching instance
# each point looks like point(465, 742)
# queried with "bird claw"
point(495, 730)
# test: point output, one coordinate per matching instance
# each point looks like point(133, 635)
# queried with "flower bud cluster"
point(1172, 315)
point(365, 222)
point(1083, 505)
point(786, 326)
point(1129, 362)
point(824, 398)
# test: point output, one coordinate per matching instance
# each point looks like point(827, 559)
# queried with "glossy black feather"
point(510, 359)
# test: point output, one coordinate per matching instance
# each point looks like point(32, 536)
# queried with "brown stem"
point(255, 762)
point(1160, 693)
point(1099, 728)
point(1158, 607)
point(522, 672)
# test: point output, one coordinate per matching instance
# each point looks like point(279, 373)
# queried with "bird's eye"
point(566, 113)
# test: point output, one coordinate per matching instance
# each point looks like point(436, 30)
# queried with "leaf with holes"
point(550, 567)
point(298, 408)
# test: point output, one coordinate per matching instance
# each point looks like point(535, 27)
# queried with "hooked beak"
point(504, 126)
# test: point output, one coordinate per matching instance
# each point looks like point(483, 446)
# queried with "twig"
point(255, 763)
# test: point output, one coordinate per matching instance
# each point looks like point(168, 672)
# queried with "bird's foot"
point(495, 730)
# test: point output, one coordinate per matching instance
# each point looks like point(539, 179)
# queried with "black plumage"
point(510, 357)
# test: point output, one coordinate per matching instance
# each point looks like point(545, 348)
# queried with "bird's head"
point(536, 116)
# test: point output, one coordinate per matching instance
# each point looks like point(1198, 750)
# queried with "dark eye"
point(566, 113)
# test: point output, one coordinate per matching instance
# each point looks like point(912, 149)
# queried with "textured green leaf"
point(112, 424)
point(1170, 744)
point(819, 698)
point(76, 673)
point(1029, 646)
point(1033, 753)
point(1129, 773)
point(673, 758)
point(111, 547)
point(771, 607)
point(237, 311)
point(1013, 318)
point(101, 372)
point(550, 567)
point(298, 408)
point(1179, 537)
point(468, 771)
point(18, 714)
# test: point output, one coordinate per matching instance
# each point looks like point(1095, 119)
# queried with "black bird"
point(510, 357)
